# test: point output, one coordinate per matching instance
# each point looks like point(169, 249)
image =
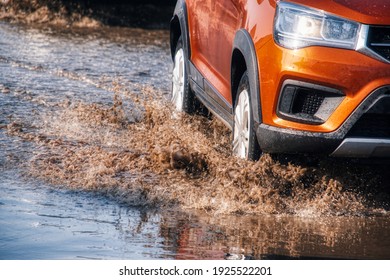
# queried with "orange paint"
point(213, 25)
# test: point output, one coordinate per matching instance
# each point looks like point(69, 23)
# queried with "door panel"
point(213, 25)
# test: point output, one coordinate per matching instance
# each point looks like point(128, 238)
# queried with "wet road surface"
point(83, 177)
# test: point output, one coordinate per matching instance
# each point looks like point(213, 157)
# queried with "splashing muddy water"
point(86, 111)
point(152, 159)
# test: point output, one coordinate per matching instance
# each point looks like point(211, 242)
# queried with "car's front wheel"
point(182, 96)
point(245, 144)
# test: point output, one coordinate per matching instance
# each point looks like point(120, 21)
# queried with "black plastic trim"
point(210, 97)
point(217, 97)
point(278, 140)
point(181, 13)
point(332, 99)
point(244, 43)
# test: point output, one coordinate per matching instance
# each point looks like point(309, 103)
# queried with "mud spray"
point(149, 14)
point(139, 151)
point(44, 12)
point(144, 154)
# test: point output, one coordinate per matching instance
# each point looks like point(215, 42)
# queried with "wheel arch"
point(244, 58)
point(179, 28)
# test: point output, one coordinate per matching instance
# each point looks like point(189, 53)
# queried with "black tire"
point(182, 96)
point(245, 144)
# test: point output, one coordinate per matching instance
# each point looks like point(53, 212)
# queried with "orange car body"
point(355, 81)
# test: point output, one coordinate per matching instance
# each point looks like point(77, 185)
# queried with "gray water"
point(42, 68)
point(39, 222)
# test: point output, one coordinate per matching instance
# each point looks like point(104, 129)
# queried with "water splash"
point(144, 156)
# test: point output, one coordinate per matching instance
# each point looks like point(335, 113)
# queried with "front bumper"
point(363, 147)
point(349, 140)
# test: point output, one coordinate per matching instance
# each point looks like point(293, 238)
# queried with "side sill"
point(210, 97)
point(214, 107)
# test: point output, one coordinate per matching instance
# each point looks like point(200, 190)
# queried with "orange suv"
point(297, 76)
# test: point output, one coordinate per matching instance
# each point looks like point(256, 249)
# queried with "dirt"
point(154, 157)
point(89, 14)
point(148, 155)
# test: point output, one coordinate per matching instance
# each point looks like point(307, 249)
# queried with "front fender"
point(243, 43)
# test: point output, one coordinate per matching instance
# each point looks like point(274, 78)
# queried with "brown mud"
point(150, 156)
point(89, 14)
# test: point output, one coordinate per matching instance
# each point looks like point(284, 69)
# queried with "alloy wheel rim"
point(178, 80)
point(241, 126)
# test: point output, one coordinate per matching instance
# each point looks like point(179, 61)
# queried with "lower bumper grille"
point(371, 126)
point(307, 103)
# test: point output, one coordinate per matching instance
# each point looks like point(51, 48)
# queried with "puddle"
point(92, 158)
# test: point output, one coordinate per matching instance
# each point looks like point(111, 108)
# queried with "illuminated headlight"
point(298, 27)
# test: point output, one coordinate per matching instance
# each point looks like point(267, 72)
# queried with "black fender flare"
point(181, 13)
point(244, 43)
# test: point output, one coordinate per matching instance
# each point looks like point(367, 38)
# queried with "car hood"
point(364, 11)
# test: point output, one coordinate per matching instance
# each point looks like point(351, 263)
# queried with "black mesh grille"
point(307, 102)
point(379, 41)
point(371, 126)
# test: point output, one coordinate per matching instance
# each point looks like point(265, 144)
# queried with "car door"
point(225, 20)
point(212, 26)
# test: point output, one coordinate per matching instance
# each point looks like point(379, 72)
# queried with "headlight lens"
point(298, 27)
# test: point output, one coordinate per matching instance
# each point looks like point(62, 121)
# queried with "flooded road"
point(94, 165)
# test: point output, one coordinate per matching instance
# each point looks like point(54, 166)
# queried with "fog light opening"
point(307, 103)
